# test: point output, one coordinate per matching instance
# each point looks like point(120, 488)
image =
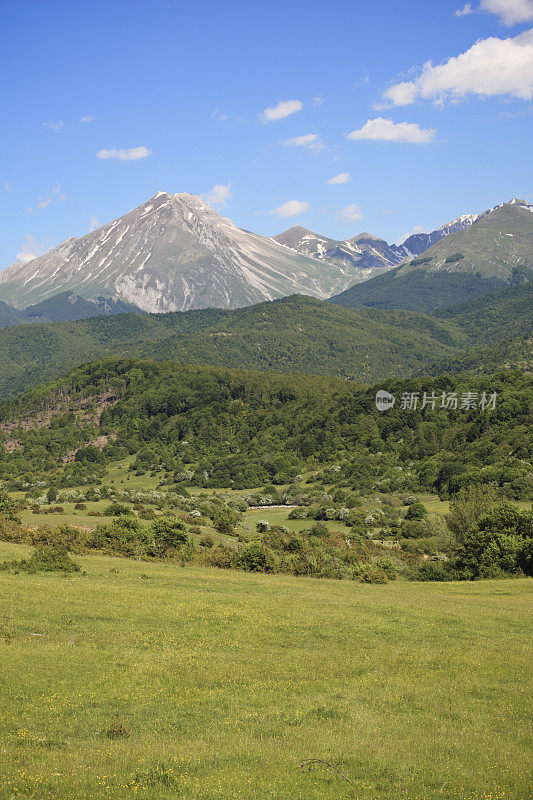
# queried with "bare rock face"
point(172, 253)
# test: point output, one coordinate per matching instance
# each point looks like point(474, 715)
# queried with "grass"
point(149, 680)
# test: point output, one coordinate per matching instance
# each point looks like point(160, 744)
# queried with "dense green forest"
point(295, 334)
point(317, 443)
point(216, 427)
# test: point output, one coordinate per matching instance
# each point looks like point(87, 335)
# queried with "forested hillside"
point(295, 334)
point(214, 427)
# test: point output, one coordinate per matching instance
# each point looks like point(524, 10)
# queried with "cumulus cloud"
point(490, 67)
point(351, 213)
point(385, 130)
point(86, 119)
point(30, 249)
point(291, 208)
point(52, 125)
point(219, 194)
point(319, 99)
point(283, 109)
point(510, 12)
point(311, 141)
point(125, 154)
point(219, 115)
point(94, 223)
point(342, 177)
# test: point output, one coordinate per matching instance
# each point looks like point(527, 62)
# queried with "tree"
point(51, 494)
point(416, 511)
point(499, 543)
point(467, 507)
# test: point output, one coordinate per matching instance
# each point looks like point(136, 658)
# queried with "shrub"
point(117, 509)
point(207, 541)
point(46, 558)
point(256, 558)
point(416, 511)
point(388, 568)
point(372, 574)
point(319, 529)
point(431, 571)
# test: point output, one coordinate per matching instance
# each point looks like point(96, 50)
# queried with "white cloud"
point(311, 141)
point(510, 12)
point(125, 154)
point(86, 119)
point(385, 130)
point(319, 99)
point(219, 194)
point(44, 202)
point(464, 11)
point(94, 223)
point(219, 115)
point(351, 213)
point(30, 250)
point(490, 67)
point(283, 109)
point(414, 229)
point(342, 177)
point(291, 208)
point(7, 186)
point(52, 125)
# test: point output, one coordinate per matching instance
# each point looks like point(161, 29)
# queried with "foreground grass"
point(219, 684)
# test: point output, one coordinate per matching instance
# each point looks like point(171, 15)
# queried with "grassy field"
point(149, 680)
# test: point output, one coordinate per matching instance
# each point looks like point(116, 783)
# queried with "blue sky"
point(104, 103)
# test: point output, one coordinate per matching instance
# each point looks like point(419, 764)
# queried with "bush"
point(256, 558)
point(117, 509)
point(431, 571)
point(319, 529)
point(207, 541)
point(390, 569)
point(416, 511)
point(46, 558)
point(372, 574)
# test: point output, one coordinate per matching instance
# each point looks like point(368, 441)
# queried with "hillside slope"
point(288, 335)
point(493, 253)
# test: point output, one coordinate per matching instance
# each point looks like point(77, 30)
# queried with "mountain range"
point(368, 253)
point(174, 252)
point(494, 252)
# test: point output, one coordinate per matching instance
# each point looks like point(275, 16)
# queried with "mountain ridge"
point(491, 254)
point(171, 253)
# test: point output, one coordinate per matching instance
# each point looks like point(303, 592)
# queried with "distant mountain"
point(294, 334)
point(172, 253)
point(62, 307)
point(368, 254)
point(494, 252)
point(68, 306)
point(365, 255)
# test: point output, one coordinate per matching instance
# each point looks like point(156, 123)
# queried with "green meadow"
point(141, 679)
